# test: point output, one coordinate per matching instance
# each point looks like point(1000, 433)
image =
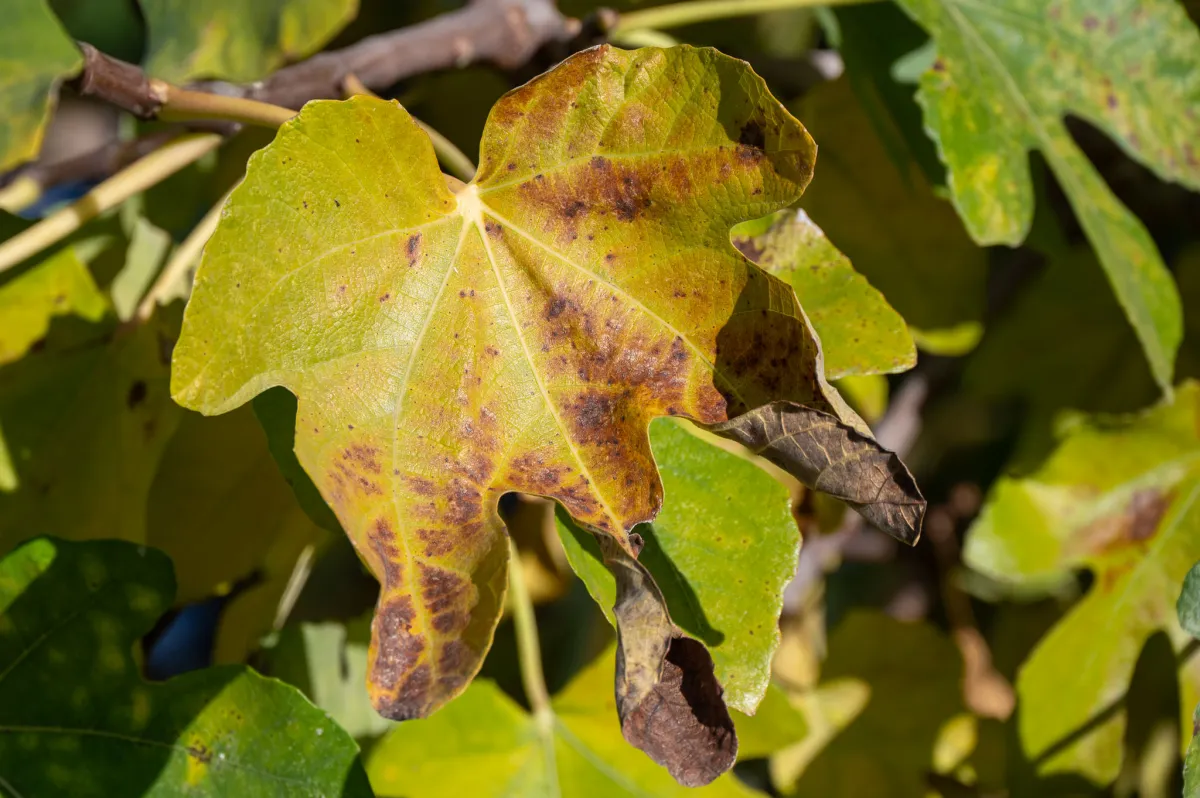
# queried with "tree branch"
point(506, 33)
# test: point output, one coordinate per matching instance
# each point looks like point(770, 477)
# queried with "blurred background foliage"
point(1028, 646)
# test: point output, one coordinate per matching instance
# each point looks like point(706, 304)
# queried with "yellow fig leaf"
point(449, 344)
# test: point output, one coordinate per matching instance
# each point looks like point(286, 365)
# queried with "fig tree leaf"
point(86, 419)
point(1007, 74)
point(722, 550)
point(860, 333)
point(882, 213)
point(774, 725)
point(238, 41)
point(514, 334)
point(1191, 761)
point(59, 286)
point(101, 730)
point(1118, 497)
point(912, 674)
point(486, 745)
point(37, 54)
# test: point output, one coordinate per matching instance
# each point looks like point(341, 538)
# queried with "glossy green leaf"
point(881, 212)
point(485, 745)
point(1118, 497)
point(236, 40)
point(102, 731)
point(859, 331)
point(86, 418)
point(912, 674)
point(448, 344)
point(1007, 73)
point(35, 54)
point(722, 549)
point(59, 286)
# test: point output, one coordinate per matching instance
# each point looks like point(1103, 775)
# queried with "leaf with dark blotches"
point(860, 333)
point(450, 343)
point(1008, 72)
point(1120, 497)
point(102, 730)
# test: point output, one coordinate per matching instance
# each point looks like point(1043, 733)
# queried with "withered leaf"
point(514, 334)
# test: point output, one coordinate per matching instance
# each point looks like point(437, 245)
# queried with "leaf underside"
point(517, 335)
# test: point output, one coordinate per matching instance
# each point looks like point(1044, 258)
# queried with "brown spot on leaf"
point(442, 589)
point(683, 723)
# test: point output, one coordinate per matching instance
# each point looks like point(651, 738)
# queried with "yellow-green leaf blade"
point(35, 54)
point(1121, 498)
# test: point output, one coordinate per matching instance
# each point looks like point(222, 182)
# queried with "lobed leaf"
point(59, 286)
point(1007, 73)
point(448, 343)
point(35, 54)
point(101, 730)
point(1117, 497)
point(238, 41)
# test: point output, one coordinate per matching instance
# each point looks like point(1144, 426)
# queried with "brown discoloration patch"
point(412, 249)
point(1137, 524)
point(752, 135)
point(200, 753)
point(683, 723)
point(397, 648)
point(383, 542)
point(364, 457)
point(443, 589)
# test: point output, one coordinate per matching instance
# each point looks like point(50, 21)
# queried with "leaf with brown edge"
point(829, 455)
point(515, 334)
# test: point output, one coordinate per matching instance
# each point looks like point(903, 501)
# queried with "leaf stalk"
point(139, 176)
point(676, 14)
point(529, 650)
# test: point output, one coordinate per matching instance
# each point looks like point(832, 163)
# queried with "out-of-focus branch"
point(506, 33)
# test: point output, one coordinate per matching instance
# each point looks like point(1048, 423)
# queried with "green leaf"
point(912, 674)
point(1118, 497)
point(86, 419)
point(722, 549)
point(519, 333)
point(775, 724)
point(59, 286)
point(328, 662)
point(100, 730)
point(486, 745)
point(235, 40)
point(1188, 606)
point(37, 54)
point(859, 331)
point(881, 212)
point(1009, 71)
